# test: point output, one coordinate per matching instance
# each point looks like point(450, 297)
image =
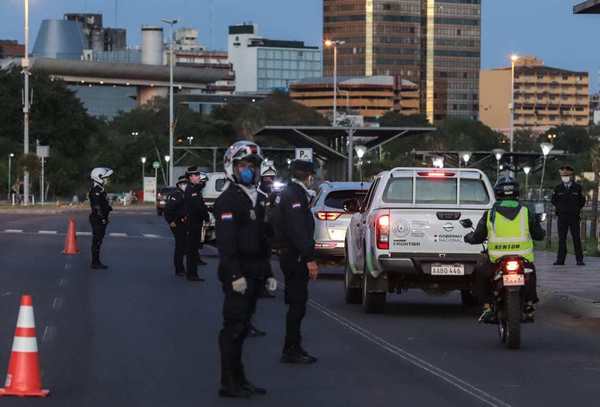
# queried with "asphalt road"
point(136, 335)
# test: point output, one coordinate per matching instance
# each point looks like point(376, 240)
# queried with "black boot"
point(247, 385)
point(193, 277)
point(97, 265)
point(231, 388)
point(180, 273)
point(296, 355)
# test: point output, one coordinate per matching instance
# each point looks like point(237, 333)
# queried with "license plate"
point(512, 280)
point(447, 269)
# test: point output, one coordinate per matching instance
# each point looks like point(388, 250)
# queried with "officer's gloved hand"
point(271, 284)
point(104, 221)
point(240, 285)
point(173, 224)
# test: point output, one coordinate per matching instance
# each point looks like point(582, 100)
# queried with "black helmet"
point(506, 187)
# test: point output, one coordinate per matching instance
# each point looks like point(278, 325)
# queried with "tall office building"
point(434, 43)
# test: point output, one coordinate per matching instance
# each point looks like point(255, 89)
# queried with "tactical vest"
point(509, 237)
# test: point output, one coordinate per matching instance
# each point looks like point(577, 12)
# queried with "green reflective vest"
point(509, 237)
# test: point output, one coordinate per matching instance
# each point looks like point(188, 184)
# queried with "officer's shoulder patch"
point(296, 205)
point(195, 194)
point(227, 216)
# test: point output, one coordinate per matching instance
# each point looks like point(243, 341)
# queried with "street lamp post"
point(143, 160)
point(513, 59)
point(498, 154)
point(26, 104)
point(546, 148)
point(169, 170)
point(171, 113)
point(10, 157)
point(466, 157)
point(360, 153)
point(334, 44)
point(526, 170)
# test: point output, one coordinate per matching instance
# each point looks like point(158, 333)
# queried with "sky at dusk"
point(545, 28)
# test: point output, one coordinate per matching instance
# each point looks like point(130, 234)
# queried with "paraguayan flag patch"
point(296, 205)
point(226, 216)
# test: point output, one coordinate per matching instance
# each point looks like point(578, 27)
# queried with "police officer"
point(197, 214)
point(243, 249)
point(568, 199)
point(297, 262)
point(176, 217)
point(504, 223)
point(100, 212)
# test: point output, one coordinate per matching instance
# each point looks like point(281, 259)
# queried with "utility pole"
point(26, 105)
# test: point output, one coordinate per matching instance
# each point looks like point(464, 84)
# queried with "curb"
point(39, 211)
point(570, 304)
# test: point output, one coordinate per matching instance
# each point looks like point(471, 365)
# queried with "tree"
point(395, 119)
point(58, 119)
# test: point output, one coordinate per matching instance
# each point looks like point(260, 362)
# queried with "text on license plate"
point(447, 269)
point(511, 280)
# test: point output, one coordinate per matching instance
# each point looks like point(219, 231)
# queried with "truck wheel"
point(373, 303)
point(353, 295)
point(467, 298)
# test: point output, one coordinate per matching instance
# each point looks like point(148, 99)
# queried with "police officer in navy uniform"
point(241, 234)
point(100, 212)
point(197, 214)
point(568, 199)
point(297, 259)
point(176, 217)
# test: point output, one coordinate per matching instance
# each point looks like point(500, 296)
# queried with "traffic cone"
point(23, 378)
point(71, 239)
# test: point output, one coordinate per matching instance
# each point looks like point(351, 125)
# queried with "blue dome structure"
point(59, 39)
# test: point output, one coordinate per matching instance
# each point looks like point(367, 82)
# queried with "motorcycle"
point(510, 280)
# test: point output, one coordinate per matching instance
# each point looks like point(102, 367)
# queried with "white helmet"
point(267, 169)
point(242, 150)
point(100, 174)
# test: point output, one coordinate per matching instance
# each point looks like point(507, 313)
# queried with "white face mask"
point(566, 180)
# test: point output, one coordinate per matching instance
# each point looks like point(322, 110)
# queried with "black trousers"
point(484, 284)
point(566, 224)
point(180, 235)
point(98, 233)
point(296, 297)
point(237, 312)
point(193, 244)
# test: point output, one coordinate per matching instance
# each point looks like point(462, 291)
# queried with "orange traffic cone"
point(71, 239)
point(23, 377)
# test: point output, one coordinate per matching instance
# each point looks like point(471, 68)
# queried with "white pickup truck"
point(406, 234)
point(216, 184)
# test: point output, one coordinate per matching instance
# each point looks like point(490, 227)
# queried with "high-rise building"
point(263, 65)
point(544, 97)
point(433, 43)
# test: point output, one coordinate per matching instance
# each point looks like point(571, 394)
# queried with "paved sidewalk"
point(574, 289)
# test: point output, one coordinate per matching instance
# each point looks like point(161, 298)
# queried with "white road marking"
point(57, 303)
point(62, 282)
point(47, 232)
point(118, 234)
point(49, 333)
point(67, 266)
point(6, 294)
point(13, 230)
point(414, 360)
point(84, 233)
point(151, 236)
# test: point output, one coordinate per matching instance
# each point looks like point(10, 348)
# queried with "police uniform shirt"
point(99, 203)
point(568, 201)
point(196, 209)
point(299, 225)
point(175, 208)
point(241, 234)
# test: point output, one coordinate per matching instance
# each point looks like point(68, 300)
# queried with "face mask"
point(247, 176)
point(566, 180)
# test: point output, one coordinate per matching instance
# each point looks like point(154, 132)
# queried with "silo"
point(59, 39)
point(152, 45)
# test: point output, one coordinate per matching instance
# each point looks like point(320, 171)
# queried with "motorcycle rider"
point(507, 222)
point(243, 251)
point(100, 211)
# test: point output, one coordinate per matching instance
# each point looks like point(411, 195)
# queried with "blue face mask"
point(247, 176)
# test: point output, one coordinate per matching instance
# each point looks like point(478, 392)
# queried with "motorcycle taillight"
point(512, 266)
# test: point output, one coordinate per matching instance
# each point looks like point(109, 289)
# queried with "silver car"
point(331, 220)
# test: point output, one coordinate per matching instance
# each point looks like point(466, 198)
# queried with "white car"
point(407, 234)
point(216, 184)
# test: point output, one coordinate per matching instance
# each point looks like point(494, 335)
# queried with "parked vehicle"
point(406, 234)
point(217, 182)
point(332, 219)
